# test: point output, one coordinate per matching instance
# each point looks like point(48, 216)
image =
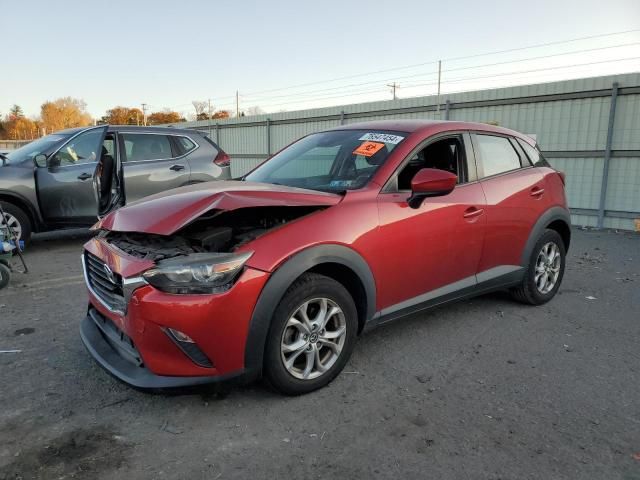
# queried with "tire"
point(532, 290)
point(17, 216)
point(5, 275)
point(318, 336)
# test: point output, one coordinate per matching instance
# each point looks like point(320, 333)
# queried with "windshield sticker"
point(368, 149)
point(382, 137)
point(341, 183)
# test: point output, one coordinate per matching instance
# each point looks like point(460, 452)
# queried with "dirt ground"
point(484, 389)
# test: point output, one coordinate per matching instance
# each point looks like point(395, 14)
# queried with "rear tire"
point(5, 275)
point(312, 335)
point(18, 219)
point(544, 272)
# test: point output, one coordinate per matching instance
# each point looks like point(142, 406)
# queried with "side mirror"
point(430, 182)
point(41, 160)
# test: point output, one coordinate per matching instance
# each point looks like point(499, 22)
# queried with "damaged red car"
point(279, 273)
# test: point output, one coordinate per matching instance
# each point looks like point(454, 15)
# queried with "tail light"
point(222, 159)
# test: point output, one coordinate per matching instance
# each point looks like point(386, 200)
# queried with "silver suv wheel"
point(13, 223)
point(547, 267)
point(313, 338)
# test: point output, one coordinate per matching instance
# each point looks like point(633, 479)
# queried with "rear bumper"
point(112, 358)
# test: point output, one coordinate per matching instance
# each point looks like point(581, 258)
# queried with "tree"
point(166, 116)
point(64, 113)
point(254, 111)
point(201, 108)
point(123, 116)
point(20, 128)
point(16, 111)
point(221, 114)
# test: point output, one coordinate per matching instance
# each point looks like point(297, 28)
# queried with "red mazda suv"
point(277, 274)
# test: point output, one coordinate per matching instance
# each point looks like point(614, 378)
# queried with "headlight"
point(197, 273)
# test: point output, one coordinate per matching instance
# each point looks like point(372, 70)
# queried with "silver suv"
point(71, 177)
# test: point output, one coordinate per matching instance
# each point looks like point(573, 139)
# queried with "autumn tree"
point(201, 107)
point(166, 116)
point(64, 113)
point(122, 116)
point(221, 114)
point(20, 128)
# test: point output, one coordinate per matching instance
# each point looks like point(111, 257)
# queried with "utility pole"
point(144, 114)
point(237, 104)
point(393, 89)
point(209, 117)
point(439, 74)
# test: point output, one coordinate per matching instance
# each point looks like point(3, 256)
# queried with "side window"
point(140, 146)
point(316, 162)
point(446, 154)
point(497, 154)
point(185, 143)
point(534, 154)
point(85, 148)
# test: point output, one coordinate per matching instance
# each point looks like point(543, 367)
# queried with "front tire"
point(544, 272)
point(18, 220)
point(312, 335)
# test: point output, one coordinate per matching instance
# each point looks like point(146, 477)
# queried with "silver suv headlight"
point(197, 273)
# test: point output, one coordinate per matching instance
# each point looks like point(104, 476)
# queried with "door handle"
point(473, 212)
point(84, 176)
point(537, 191)
point(176, 168)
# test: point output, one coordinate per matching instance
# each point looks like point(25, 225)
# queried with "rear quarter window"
point(497, 154)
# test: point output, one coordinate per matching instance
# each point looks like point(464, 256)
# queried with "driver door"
point(438, 245)
point(65, 185)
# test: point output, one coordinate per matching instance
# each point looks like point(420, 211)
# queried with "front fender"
point(284, 276)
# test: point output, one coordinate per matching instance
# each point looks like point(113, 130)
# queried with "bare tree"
point(255, 110)
point(201, 107)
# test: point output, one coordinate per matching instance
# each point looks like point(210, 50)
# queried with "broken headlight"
point(197, 273)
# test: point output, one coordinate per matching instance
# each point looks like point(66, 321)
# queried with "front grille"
point(104, 283)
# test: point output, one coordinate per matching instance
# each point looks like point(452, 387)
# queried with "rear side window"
point(497, 154)
point(534, 154)
point(140, 146)
point(186, 145)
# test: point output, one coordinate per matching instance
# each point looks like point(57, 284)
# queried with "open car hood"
point(166, 213)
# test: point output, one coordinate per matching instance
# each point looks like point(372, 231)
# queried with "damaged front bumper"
point(137, 343)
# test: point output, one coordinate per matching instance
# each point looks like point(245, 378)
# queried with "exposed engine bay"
point(216, 231)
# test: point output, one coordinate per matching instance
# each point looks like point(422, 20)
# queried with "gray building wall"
point(571, 120)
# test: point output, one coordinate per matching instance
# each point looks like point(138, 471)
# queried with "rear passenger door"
point(152, 163)
point(515, 195)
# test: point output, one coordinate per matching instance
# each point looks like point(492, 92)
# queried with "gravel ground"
point(484, 389)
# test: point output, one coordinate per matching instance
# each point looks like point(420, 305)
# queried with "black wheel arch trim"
point(547, 218)
point(282, 279)
point(24, 203)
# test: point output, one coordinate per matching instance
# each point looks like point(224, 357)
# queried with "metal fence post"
point(607, 154)
point(268, 123)
point(447, 106)
point(342, 117)
point(218, 133)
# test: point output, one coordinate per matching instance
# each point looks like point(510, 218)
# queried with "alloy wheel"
point(548, 266)
point(313, 338)
point(14, 224)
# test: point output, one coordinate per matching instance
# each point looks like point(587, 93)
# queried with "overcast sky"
point(168, 53)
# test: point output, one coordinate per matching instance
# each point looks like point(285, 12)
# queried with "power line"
point(446, 70)
point(456, 80)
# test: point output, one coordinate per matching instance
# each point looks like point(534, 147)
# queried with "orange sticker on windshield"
point(368, 149)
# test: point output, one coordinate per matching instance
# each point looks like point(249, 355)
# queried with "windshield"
point(34, 148)
point(329, 161)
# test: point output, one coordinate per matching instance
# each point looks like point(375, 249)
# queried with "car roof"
point(427, 127)
point(142, 129)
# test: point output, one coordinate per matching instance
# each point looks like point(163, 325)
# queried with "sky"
point(288, 55)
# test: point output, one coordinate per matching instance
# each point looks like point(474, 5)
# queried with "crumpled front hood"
point(166, 213)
